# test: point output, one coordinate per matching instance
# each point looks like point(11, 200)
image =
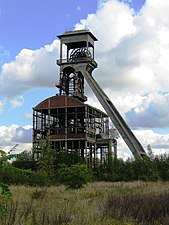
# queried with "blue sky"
point(31, 25)
point(131, 51)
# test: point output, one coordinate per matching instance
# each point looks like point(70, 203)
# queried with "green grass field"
point(101, 203)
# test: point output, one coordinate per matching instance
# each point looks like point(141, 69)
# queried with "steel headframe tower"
point(76, 63)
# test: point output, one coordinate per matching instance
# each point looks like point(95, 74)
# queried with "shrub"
point(146, 208)
point(4, 196)
point(38, 179)
point(12, 175)
point(45, 164)
point(69, 159)
point(75, 176)
point(5, 191)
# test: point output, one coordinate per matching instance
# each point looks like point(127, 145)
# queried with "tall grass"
point(99, 203)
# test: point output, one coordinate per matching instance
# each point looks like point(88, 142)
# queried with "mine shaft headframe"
point(79, 44)
point(80, 58)
point(75, 47)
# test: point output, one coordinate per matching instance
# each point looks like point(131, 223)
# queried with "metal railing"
point(76, 60)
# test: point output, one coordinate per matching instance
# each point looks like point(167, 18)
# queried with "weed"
point(146, 208)
point(39, 194)
point(97, 203)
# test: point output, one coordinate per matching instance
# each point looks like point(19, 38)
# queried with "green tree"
point(75, 176)
point(68, 158)
point(5, 191)
point(25, 161)
point(46, 162)
point(162, 164)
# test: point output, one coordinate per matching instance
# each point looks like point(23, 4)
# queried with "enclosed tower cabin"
point(75, 47)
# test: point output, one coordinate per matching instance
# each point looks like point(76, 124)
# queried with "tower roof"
point(58, 101)
point(77, 33)
point(77, 39)
point(61, 101)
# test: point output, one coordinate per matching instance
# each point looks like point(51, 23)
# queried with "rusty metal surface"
point(58, 101)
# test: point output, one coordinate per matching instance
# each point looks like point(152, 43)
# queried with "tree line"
point(70, 169)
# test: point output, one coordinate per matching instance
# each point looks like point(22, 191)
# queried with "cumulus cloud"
point(110, 24)
point(133, 61)
point(132, 53)
point(159, 143)
point(133, 49)
point(14, 134)
point(151, 112)
point(22, 135)
point(30, 69)
point(124, 102)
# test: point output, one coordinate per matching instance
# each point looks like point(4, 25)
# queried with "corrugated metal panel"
point(58, 101)
point(73, 102)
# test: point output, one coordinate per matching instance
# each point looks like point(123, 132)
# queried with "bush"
point(24, 164)
point(12, 175)
point(145, 208)
point(38, 179)
point(75, 176)
point(69, 159)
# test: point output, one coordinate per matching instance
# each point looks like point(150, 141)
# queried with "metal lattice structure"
point(80, 53)
point(72, 126)
point(66, 120)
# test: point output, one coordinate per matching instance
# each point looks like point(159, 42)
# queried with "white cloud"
point(132, 53)
point(101, 2)
point(23, 135)
point(159, 143)
point(14, 134)
point(124, 102)
point(27, 127)
point(133, 61)
point(152, 112)
point(132, 50)
point(110, 24)
point(30, 69)
point(6, 134)
point(17, 102)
